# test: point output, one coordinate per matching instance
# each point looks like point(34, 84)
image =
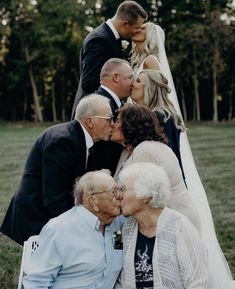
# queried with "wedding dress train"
point(219, 268)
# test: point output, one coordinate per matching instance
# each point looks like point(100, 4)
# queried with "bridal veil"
point(219, 268)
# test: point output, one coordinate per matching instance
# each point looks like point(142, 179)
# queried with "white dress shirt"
point(114, 30)
point(114, 96)
point(74, 254)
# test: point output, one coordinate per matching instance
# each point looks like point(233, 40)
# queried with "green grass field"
point(213, 149)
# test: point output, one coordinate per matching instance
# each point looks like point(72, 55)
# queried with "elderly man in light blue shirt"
point(77, 249)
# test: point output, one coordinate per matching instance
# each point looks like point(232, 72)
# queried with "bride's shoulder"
point(151, 62)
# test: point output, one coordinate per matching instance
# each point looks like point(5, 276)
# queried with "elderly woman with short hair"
point(162, 249)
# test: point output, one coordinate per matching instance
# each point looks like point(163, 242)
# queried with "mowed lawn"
point(213, 147)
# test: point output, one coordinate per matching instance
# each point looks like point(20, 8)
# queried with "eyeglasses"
point(112, 192)
point(121, 189)
point(109, 118)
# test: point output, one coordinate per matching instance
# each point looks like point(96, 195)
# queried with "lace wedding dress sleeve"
point(219, 268)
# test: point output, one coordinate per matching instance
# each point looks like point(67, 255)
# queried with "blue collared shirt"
point(74, 254)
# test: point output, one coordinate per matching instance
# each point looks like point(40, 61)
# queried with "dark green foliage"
point(53, 31)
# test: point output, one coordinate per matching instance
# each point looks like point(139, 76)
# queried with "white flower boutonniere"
point(117, 237)
point(125, 44)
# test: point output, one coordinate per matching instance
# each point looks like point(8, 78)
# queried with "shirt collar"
point(114, 30)
point(88, 217)
point(88, 138)
point(114, 96)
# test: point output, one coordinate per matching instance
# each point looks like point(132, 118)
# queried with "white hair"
point(90, 183)
point(90, 105)
point(150, 180)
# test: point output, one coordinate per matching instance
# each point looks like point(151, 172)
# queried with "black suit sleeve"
point(58, 177)
point(94, 58)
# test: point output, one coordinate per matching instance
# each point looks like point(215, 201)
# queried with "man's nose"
point(112, 124)
point(118, 195)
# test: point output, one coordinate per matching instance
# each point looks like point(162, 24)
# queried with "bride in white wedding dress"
point(149, 53)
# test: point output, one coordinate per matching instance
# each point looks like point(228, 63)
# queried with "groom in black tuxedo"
point(116, 80)
point(104, 42)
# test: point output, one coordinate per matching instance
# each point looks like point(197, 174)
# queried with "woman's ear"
point(147, 199)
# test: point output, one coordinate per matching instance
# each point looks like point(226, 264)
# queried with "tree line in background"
point(40, 43)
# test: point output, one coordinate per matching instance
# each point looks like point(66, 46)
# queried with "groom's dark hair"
point(131, 11)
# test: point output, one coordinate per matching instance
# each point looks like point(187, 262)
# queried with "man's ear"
point(89, 122)
point(94, 204)
point(125, 23)
point(116, 77)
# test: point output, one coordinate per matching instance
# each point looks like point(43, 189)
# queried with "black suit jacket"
point(105, 93)
point(107, 153)
point(56, 159)
point(98, 46)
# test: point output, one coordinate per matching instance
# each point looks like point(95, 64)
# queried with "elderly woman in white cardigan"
point(162, 249)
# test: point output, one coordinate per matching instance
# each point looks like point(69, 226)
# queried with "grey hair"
point(150, 180)
point(89, 183)
point(150, 46)
point(111, 66)
point(131, 11)
point(156, 98)
point(90, 105)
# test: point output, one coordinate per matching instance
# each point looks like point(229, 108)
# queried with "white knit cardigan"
point(179, 256)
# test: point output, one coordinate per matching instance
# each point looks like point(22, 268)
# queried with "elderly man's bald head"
point(91, 183)
point(97, 192)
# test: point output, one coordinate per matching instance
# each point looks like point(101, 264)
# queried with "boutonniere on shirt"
point(125, 44)
point(117, 236)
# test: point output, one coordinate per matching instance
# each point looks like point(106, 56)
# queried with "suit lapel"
point(115, 43)
point(113, 103)
point(80, 142)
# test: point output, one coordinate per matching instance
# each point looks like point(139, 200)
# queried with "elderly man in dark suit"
point(116, 80)
point(57, 158)
point(104, 42)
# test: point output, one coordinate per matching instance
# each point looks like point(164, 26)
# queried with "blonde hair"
point(150, 46)
point(156, 98)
